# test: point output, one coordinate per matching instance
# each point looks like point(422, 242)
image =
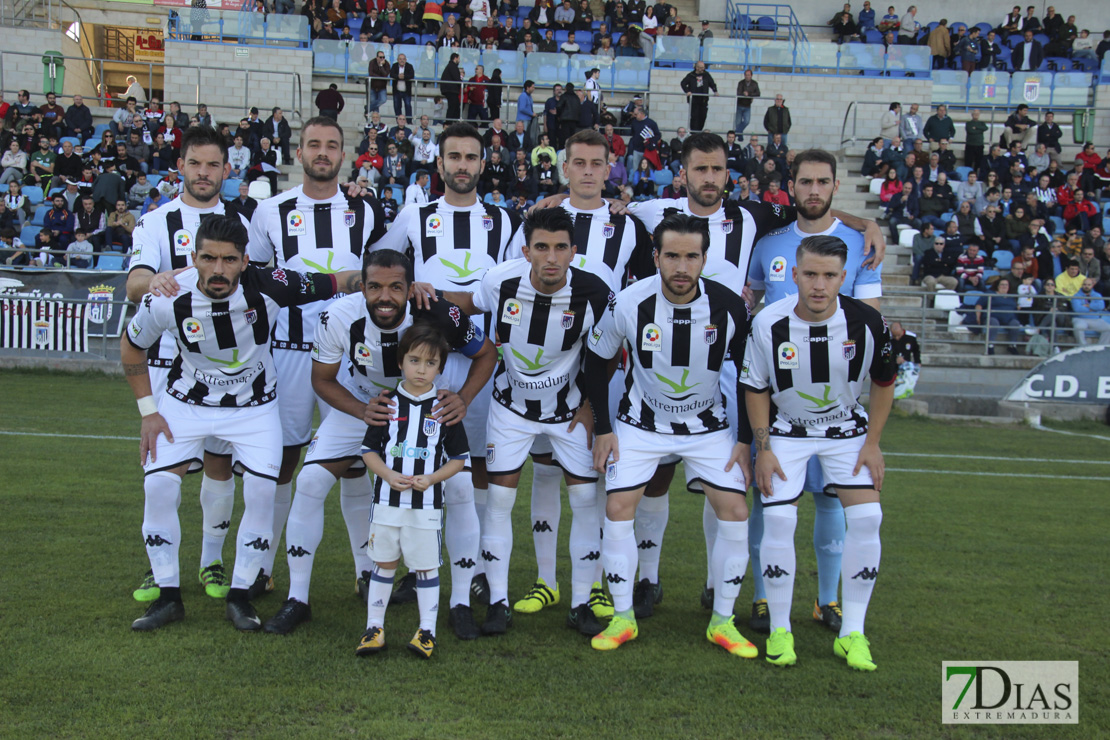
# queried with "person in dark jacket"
point(697, 85)
point(777, 119)
point(266, 155)
point(402, 73)
point(330, 102)
point(939, 126)
point(78, 120)
point(276, 128)
point(569, 109)
point(450, 85)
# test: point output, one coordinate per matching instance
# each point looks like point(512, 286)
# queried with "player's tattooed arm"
point(349, 281)
point(138, 368)
point(762, 439)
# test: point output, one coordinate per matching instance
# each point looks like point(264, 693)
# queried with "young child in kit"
point(411, 457)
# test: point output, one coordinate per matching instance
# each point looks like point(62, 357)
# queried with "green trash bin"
point(1083, 126)
point(53, 72)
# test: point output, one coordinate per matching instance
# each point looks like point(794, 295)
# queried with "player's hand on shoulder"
point(153, 425)
point(550, 201)
point(749, 297)
point(379, 409)
point(618, 207)
point(165, 283)
point(451, 408)
point(424, 294)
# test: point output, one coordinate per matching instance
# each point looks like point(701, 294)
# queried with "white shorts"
point(541, 445)
point(454, 375)
point(339, 438)
point(252, 432)
point(296, 399)
point(509, 436)
point(159, 376)
point(414, 533)
point(704, 455)
point(836, 456)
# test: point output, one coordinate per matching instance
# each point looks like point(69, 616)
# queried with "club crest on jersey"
point(251, 315)
point(433, 225)
point(777, 274)
point(849, 349)
point(487, 222)
point(348, 218)
point(726, 226)
point(611, 471)
point(192, 330)
point(787, 355)
point(491, 453)
point(652, 338)
point(295, 224)
point(429, 426)
point(710, 333)
point(512, 312)
point(182, 243)
point(608, 230)
point(568, 319)
point(363, 356)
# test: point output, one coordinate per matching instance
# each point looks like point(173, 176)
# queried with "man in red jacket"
point(476, 95)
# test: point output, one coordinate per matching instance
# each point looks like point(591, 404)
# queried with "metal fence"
point(101, 344)
point(246, 29)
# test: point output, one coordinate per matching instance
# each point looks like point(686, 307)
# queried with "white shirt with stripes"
point(613, 247)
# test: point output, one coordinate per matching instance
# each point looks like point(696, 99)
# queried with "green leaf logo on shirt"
point(325, 269)
point(233, 364)
point(534, 365)
point(460, 272)
point(679, 387)
point(820, 405)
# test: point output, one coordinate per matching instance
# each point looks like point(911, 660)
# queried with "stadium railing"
point(245, 29)
point(748, 20)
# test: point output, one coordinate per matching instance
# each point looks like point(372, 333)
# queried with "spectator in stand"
point(891, 186)
point(777, 119)
point(1020, 127)
point(79, 252)
point(932, 207)
point(1039, 159)
point(402, 74)
point(154, 199)
point(697, 84)
point(108, 188)
point(1090, 159)
point(1027, 55)
point(911, 128)
point(568, 110)
point(451, 87)
point(1069, 281)
point(1104, 279)
point(476, 95)
point(525, 108)
point(378, 73)
point(138, 192)
point(1103, 47)
point(60, 221)
point(866, 17)
point(264, 163)
point(967, 51)
point(1003, 313)
point(14, 164)
point(873, 159)
point(1048, 134)
point(746, 90)
point(330, 102)
point(953, 240)
point(940, 44)
point(1082, 212)
point(908, 27)
point(890, 22)
point(78, 120)
point(1089, 266)
point(239, 157)
point(946, 158)
point(939, 126)
point(902, 209)
point(646, 139)
point(1090, 314)
point(923, 243)
point(971, 190)
point(643, 187)
point(845, 29)
point(279, 133)
point(119, 226)
point(971, 262)
point(1017, 226)
point(938, 267)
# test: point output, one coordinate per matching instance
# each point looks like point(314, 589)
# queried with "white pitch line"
point(67, 436)
point(987, 457)
point(998, 475)
point(1040, 428)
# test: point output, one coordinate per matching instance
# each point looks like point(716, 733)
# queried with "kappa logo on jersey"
point(433, 225)
point(429, 428)
point(295, 224)
point(487, 222)
point(867, 574)
point(251, 315)
point(455, 314)
point(568, 319)
point(156, 540)
point(849, 348)
point(777, 273)
point(710, 333)
point(182, 243)
point(491, 453)
point(511, 314)
point(652, 338)
point(608, 230)
point(788, 356)
point(348, 218)
point(298, 551)
point(259, 544)
point(281, 277)
point(363, 356)
point(726, 226)
point(192, 330)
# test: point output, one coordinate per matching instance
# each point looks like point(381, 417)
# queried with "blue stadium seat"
point(90, 143)
point(955, 27)
point(1058, 223)
point(962, 173)
point(663, 177)
point(71, 139)
point(742, 22)
point(99, 129)
point(1003, 258)
point(398, 194)
point(871, 36)
point(110, 262)
point(230, 189)
point(427, 38)
point(1040, 38)
point(28, 233)
point(33, 193)
point(766, 23)
point(560, 37)
point(1014, 40)
point(1058, 64)
point(355, 25)
point(984, 28)
point(40, 215)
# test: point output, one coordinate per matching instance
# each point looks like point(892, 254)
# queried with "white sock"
point(355, 497)
point(730, 561)
point(777, 559)
point(618, 553)
point(283, 500)
point(305, 528)
point(497, 540)
point(547, 505)
point(255, 540)
point(602, 501)
point(709, 529)
point(381, 586)
point(585, 541)
point(427, 598)
point(480, 496)
point(860, 562)
point(461, 535)
point(217, 500)
point(651, 523)
point(161, 526)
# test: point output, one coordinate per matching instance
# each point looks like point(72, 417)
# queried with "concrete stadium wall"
point(1091, 15)
point(233, 78)
point(21, 62)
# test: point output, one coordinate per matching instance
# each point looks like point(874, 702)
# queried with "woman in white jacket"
point(888, 124)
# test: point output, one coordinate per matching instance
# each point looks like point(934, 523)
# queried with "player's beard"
point(398, 316)
point(192, 187)
point(458, 187)
point(814, 212)
point(690, 286)
point(219, 289)
point(704, 200)
point(312, 172)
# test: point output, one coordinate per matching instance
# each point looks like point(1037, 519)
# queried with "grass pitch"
point(975, 567)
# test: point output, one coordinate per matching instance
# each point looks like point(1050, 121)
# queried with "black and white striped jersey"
point(414, 443)
point(346, 333)
point(307, 235)
point(223, 356)
point(452, 247)
point(734, 228)
point(815, 371)
point(541, 337)
point(676, 353)
point(613, 247)
point(164, 240)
